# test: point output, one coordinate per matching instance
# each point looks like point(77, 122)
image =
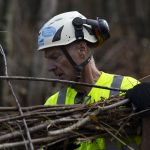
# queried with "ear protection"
point(99, 26)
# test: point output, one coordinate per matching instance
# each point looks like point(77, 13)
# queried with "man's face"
point(59, 65)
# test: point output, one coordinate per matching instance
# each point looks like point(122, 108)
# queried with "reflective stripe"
point(62, 96)
point(116, 83)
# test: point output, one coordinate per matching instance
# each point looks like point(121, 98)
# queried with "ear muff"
point(99, 26)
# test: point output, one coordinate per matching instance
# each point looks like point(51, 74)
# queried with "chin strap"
point(77, 67)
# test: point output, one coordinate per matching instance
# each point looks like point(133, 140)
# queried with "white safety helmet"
point(60, 31)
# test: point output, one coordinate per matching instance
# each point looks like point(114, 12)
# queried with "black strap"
point(77, 67)
point(68, 56)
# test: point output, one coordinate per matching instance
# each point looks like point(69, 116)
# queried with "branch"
point(41, 114)
point(16, 100)
point(58, 81)
point(26, 146)
point(40, 107)
point(118, 139)
point(18, 133)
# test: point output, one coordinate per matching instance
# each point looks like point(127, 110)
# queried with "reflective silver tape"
point(62, 96)
point(116, 83)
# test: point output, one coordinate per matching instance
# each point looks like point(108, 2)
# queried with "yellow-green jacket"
point(68, 95)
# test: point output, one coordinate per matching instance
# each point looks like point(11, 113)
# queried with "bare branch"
point(118, 139)
point(58, 81)
point(16, 99)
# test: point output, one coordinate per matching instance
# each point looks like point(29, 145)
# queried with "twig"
point(26, 146)
point(118, 139)
point(146, 77)
point(16, 99)
point(14, 144)
point(40, 107)
point(115, 130)
point(58, 81)
point(122, 126)
point(37, 140)
point(17, 133)
point(136, 114)
point(41, 114)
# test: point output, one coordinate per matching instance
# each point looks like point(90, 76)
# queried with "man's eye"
point(56, 57)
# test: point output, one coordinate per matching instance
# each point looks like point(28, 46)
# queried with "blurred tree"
point(23, 24)
point(38, 67)
point(3, 13)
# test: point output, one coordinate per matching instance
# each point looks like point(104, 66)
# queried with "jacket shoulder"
point(129, 82)
point(52, 100)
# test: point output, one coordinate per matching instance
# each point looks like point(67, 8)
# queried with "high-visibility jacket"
point(69, 95)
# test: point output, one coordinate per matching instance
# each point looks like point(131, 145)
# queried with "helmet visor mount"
point(100, 28)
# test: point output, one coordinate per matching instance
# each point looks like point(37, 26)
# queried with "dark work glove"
point(140, 96)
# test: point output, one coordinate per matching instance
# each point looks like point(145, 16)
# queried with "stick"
point(118, 139)
point(58, 81)
point(16, 99)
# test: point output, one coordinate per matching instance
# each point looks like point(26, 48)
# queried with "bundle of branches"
point(50, 125)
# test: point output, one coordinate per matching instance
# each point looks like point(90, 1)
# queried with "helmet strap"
point(77, 67)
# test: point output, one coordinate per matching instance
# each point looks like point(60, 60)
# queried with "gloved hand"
point(140, 96)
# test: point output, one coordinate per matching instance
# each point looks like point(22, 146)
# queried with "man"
point(67, 41)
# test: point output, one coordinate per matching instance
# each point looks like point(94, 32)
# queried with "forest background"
point(127, 52)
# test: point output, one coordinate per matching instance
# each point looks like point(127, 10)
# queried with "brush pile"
point(52, 125)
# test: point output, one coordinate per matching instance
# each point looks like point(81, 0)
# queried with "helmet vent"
point(57, 35)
